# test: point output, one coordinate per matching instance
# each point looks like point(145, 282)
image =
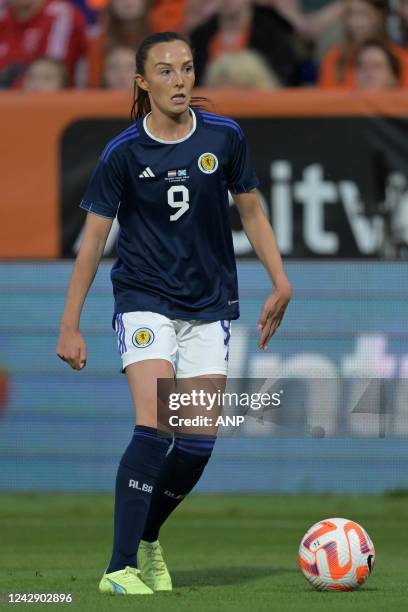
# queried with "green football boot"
point(124, 582)
point(153, 567)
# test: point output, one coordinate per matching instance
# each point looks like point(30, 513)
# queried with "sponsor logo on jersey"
point(142, 337)
point(208, 163)
point(147, 173)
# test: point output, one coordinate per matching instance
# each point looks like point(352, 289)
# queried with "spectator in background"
point(402, 12)
point(91, 9)
point(377, 67)
point(169, 15)
point(197, 12)
point(124, 23)
point(245, 69)
point(309, 19)
point(164, 15)
point(31, 29)
point(240, 25)
point(364, 20)
point(119, 69)
point(318, 24)
point(45, 75)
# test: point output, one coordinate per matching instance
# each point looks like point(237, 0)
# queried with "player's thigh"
point(143, 377)
point(148, 347)
point(201, 372)
point(201, 406)
point(203, 352)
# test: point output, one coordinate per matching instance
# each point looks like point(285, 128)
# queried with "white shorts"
point(192, 347)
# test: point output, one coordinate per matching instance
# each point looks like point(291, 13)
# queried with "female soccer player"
point(167, 179)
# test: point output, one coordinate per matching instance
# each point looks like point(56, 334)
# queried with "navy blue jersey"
point(175, 250)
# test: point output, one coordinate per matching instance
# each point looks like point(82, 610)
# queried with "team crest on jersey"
point(208, 163)
point(142, 337)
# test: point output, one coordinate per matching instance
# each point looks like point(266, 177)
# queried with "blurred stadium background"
point(321, 92)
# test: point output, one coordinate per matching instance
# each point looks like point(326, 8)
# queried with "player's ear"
point(141, 82)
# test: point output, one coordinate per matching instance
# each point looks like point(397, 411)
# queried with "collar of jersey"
point(191, 132)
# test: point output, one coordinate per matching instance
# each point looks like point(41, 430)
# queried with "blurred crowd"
point(49, 45)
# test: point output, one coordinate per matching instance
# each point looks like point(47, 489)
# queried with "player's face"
point(169, 77)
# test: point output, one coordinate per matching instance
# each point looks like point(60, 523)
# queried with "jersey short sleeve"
point(104, 191)
point(241, 177)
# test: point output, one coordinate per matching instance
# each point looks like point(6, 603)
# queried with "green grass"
point(226, 553)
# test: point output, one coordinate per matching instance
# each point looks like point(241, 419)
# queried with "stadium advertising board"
point(331, 165)
point(344, 335)
point(332, 187)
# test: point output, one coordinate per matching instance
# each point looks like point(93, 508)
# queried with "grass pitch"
point(225, 553)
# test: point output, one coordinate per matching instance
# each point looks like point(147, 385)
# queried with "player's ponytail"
point(141, 102)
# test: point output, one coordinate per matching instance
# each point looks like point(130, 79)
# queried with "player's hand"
point(273, 311)
point(71, 348)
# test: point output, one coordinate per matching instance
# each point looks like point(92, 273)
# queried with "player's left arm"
point(262, 238)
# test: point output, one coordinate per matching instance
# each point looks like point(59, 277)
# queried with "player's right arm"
point(71, 346)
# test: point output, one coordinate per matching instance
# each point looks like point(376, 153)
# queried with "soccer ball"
point(336, 555)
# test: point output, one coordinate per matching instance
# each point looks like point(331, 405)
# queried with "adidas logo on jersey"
point(147, 173)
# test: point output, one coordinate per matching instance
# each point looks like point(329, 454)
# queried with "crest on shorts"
point(208, 163)
point(142, 337)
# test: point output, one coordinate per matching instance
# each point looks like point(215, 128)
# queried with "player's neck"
point(169, 128)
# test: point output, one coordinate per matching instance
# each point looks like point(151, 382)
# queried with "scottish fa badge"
point(142, 337)
point(208, 163)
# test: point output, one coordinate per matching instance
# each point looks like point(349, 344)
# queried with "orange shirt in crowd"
point(167, 15)
point(97, 5)
point(218, 46)
point(329, 78)
point(95, 59)
point(57, 30)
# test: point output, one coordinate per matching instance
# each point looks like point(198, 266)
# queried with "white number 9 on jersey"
point(183, 204)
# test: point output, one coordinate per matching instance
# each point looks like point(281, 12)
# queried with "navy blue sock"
point(137, 474)
point(181, 471)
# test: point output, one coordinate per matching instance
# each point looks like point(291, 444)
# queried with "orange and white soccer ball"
point(336, 555)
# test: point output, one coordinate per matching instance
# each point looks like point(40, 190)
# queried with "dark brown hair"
point(380, 5)
point(123, 31)
point(141, 103)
